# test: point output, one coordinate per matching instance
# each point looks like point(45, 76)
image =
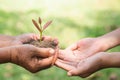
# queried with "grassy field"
point(72, 21)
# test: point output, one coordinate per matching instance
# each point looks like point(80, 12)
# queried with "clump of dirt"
point(44, 44)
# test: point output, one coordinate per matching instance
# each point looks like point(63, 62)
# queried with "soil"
point(44, 44)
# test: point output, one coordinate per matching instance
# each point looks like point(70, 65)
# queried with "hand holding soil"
point(45, 42)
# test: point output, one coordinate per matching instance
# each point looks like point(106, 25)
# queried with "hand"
point(24, 38)
point(30, 57)
point(90, 46)
point(82, 49)
point(17, 40)
point(83, 68)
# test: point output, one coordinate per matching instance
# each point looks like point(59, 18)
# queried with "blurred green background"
point(72, 20)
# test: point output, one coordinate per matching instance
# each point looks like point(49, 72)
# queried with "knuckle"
point(33, 69)
point(83, 76)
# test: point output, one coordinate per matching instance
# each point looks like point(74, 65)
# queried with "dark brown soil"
point(44, 44)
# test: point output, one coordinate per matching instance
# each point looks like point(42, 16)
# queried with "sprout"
point(40, 27)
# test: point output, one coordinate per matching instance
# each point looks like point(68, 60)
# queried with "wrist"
point(111, 39)
point(13, 55)
point(5, 55)
point(6, 41)
point(111, 60)
point(106, 61)
point(107, 42)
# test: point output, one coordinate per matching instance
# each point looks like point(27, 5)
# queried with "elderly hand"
point(17, 40)
point(30, 57)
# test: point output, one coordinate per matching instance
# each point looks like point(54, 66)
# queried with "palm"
point(80, 50)
point(82, 68)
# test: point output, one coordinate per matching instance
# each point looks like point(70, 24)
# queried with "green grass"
point(72, 21)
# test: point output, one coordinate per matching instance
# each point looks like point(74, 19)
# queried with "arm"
point(6, 37)
point(111, 39)
point(111, 60)
point(104, 42)
point(4, 55)
point(90, 46)
point(5, 40)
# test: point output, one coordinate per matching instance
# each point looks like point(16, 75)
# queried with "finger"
point(72, 63)
point(45, 63)
point(75, 72)
point(63, 55)
point(63, 65)
point(45, 52)
point(72, 47)
point(36, 37)
point(28, 37)
point(76, 45)
point(55, 40)
point(84, 75)
point(55, 56)
point(47, 38)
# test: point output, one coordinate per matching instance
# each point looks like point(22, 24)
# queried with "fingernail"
point(69, 74)
point(52, 51)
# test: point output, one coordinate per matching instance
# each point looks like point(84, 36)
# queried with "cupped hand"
point(25, 38)
point(31, 58)
point(6, 40)
point(82, 49)
point(82, 68)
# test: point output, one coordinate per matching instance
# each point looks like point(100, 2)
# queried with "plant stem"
point(40, 36)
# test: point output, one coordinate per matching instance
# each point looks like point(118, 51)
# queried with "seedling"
point(40, 27)
point(45, 44)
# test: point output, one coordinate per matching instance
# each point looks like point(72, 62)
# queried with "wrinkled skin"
point(6, 40)
point(31, 57)
point(13, 49)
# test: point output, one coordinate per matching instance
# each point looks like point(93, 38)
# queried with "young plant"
point(40, 27)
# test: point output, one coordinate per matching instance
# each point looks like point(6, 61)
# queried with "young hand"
point(83, 48)
point(83, 68)
point(90, 46)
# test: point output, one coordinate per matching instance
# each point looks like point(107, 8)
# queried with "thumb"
point(74, 72)
point(72, 47)
point(45, 52)
point(28, 37)
point(45, 63)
